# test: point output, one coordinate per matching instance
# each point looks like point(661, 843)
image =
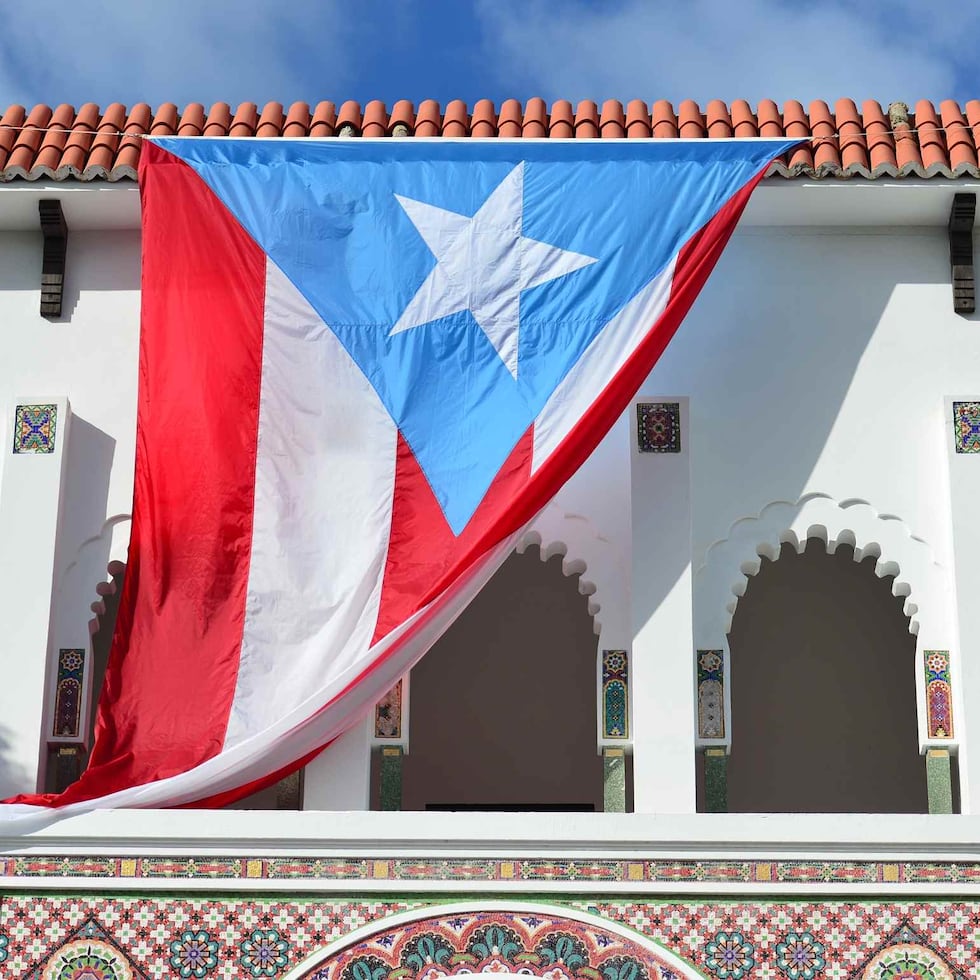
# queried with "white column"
point(35, 437)
point(662, 656)
point(964, 494)
point(339, 778)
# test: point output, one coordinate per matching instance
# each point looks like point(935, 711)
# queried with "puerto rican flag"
point(365, 366)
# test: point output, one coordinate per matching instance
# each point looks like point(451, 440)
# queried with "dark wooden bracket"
point(961, 217)
point(54, 228)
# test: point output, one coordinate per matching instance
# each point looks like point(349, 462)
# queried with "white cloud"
point(170, 51)
point(728, 49)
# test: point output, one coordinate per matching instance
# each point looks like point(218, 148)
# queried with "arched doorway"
point(503, 707)
point(823, 691)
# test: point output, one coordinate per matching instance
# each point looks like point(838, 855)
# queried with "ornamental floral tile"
point(966, 426)
point(35, 427)
point(658, 427)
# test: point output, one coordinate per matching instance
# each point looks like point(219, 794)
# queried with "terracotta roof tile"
point(484, 121)
point(218, 121)
point(297, 120)
point(719, 120)
point(511, 119)
point(324, 122)
point(92, 144)
point(535, 120)
point(612, 122)
point(429, 118)
point(457, 119)
point(664, 120)
point(586, 120)
point(562, 123)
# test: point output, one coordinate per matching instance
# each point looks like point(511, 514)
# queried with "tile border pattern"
point(68, 694)
point(388, 713)
point(615, 694)
point(711, 693)
point(939, 695)
point(479, 869)
point(136, 937)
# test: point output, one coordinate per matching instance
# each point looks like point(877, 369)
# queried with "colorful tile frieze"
point(615, 694)
point(939, 695)
point(388, 714)
point(19, 871)
point(68, 694)
point(658, 427)
point(966, 426)
point(711, 693)
point(139, 937)
point(35, 427)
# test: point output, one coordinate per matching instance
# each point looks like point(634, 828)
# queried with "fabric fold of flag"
point(365, 365)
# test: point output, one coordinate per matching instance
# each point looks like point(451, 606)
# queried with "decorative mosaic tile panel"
point(658, 427)
point(34, 428)
point(615, 694)
point(711, 693)
point(551, 947)
point(203, 936)
point(966, 426)
point(388, 714)
point(68, 694)
point(22, 871)
point(831, 940)
point(939, 695)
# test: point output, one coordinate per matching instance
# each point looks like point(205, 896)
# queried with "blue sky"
point(287, 50)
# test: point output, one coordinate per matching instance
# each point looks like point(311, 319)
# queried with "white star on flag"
point(483, 265)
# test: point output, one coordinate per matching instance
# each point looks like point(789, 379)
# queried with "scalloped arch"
point(722, 578)
point(569, 566)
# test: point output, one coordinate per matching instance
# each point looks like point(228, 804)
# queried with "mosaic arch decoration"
point(529, 942)
point(907, 955)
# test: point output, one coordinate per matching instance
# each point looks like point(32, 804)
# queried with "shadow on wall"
point(14, 778)
point(769, 354)
point(101, 260)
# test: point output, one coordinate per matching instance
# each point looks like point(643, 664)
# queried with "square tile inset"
point(34, 428)
point(658, 427)
point(966, 426)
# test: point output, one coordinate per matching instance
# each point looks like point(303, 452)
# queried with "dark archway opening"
point(823, 691)
point(503, 707)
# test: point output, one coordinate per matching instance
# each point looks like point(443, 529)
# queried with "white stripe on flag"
point(324, 481)
point(607, 353)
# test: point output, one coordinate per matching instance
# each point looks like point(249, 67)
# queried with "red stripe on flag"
point(424, 556)
point(173, 667)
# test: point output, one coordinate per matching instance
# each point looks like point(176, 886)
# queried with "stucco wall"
point(816, 361)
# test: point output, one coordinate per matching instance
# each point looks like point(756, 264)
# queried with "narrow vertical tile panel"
point(391, 777)
point(939, 781)
point(614, 780)
point(34, 428)
point(68, 694)
point(388, 714)
point(966, 426)
point(716, 780)
point(658, 427)
point(711, 693)
point(939, 695)
point(615, 694)
point(67, 766)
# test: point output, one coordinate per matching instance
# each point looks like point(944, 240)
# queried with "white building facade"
point(746, 630)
